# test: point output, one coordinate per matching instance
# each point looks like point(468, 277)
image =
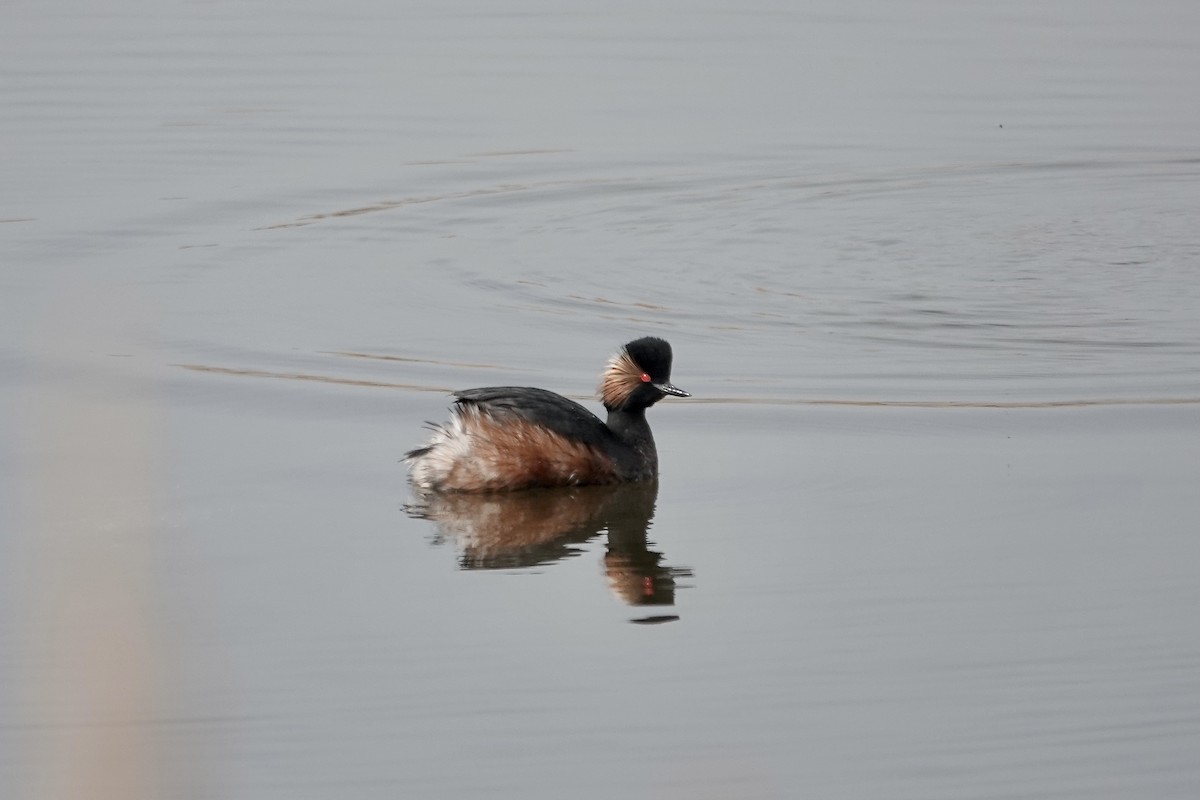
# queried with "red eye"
point(645, 377)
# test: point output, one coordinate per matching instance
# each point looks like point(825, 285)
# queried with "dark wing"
point(540, 407)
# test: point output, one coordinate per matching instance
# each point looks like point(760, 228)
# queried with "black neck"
point(632, 429)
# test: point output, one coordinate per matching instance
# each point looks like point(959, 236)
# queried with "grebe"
point(504, 438)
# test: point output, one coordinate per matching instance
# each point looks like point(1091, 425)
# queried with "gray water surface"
point(926, 529)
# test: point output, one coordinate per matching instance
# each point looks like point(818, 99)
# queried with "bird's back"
point(509, 437)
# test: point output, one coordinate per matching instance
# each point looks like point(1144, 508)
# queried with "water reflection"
point(538, 527)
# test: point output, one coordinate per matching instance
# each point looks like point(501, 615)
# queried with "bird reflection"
point(541, 526)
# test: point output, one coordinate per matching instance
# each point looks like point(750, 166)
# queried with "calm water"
point(927, 528)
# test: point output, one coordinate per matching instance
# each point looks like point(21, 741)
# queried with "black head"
point(639, 375)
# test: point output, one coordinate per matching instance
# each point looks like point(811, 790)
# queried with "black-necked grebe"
point(508, 437)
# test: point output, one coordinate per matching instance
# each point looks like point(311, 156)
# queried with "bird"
point(510, 438)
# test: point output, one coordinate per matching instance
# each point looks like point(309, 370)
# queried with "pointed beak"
point(669, 388)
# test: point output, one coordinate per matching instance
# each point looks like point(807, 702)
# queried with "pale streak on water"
point(927, 528)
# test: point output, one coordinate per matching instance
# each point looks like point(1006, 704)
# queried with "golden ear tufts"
point(620, 378)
